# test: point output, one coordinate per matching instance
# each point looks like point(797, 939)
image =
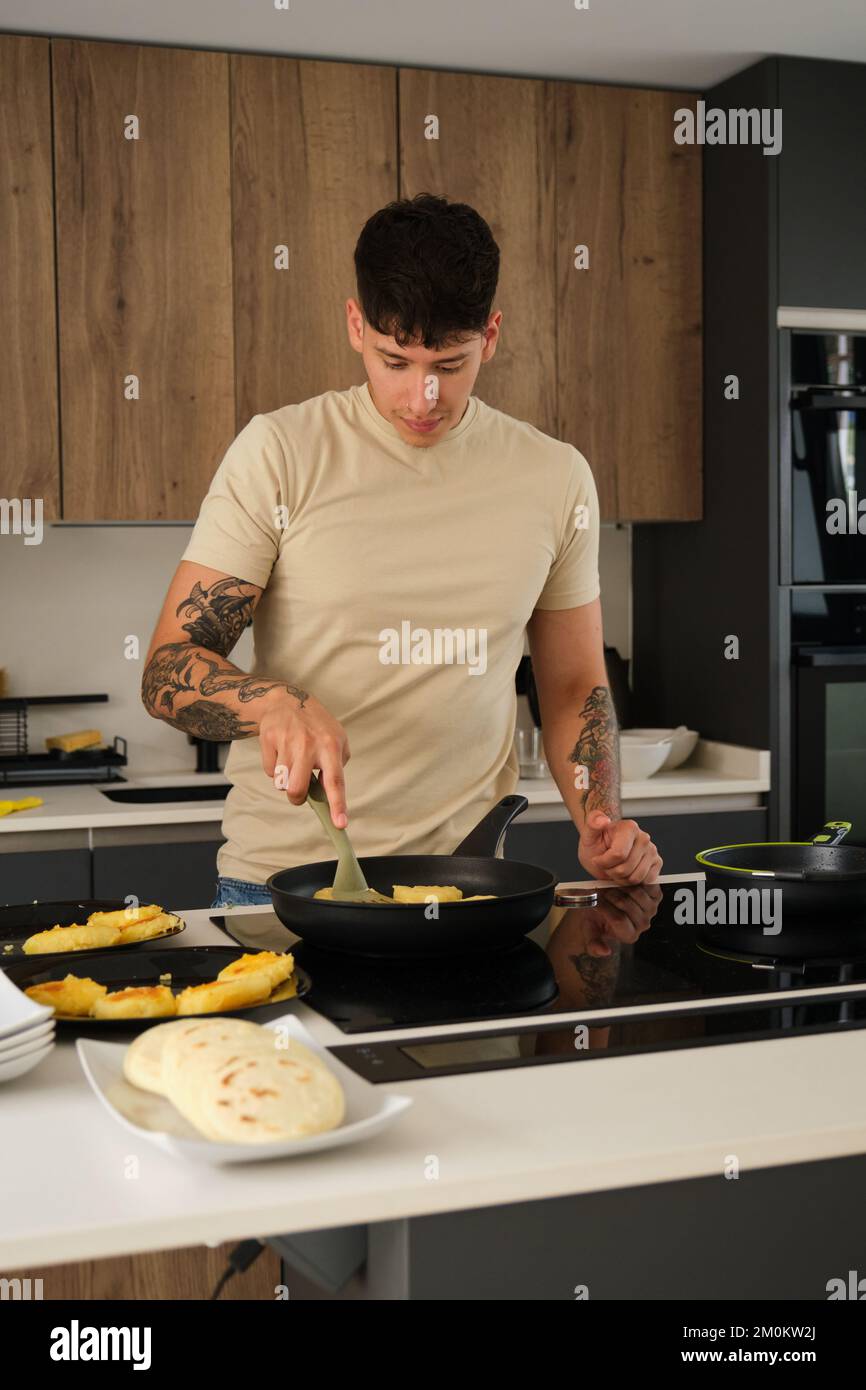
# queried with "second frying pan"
point(524, 894)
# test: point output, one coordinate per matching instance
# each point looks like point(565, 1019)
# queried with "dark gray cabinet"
point(44, 874)
point(822, 184)
point(178, 876)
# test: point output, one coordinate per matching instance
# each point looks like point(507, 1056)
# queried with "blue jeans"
point(238, 892)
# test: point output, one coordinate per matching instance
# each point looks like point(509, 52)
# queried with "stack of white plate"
point(26, 1031)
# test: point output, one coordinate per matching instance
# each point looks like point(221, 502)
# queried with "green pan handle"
point(832, 833)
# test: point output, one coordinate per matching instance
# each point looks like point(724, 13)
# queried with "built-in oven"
point(826, 538)
point(828, 671)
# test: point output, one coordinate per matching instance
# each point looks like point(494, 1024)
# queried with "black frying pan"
point(815, 876)
point(524, 894)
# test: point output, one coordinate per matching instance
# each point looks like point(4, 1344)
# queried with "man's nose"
point(424, 395)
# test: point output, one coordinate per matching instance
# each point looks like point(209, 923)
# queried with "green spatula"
point(350, 885)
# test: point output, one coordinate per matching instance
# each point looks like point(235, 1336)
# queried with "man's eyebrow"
point(386, 352)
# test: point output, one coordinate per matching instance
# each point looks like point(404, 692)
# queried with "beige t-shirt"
point(398, 584)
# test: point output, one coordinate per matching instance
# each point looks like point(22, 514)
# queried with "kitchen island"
point(612, 1175)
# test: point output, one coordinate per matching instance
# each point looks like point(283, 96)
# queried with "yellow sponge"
point(87, 738)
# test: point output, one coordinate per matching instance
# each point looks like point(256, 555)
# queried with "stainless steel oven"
point(828, 669)
point(826, 470)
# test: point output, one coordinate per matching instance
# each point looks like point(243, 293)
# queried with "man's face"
point(422, 393)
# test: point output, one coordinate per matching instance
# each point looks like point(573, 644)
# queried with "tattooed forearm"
point(596, 979)
point(207, 719)
point(597, 750)
point(191, 685)
point(219, 613)
point(180, 684)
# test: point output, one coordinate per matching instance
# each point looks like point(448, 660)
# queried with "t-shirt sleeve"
point(573, 576)
point(238, 527)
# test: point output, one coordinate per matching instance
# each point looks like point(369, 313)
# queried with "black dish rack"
point(21, 768)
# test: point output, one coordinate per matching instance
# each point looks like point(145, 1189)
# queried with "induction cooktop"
point(630, 949)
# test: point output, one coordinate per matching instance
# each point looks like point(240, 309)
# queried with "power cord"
point(240, 1260)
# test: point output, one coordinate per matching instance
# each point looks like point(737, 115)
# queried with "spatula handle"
point(349, 875)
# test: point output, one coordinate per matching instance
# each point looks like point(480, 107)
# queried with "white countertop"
point(507, 1136)
point(733, 775)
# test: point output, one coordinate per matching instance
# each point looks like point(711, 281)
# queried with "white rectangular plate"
point(369, 1109)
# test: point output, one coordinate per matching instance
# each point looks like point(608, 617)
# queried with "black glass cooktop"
point(527, 1045)
point(634, 947)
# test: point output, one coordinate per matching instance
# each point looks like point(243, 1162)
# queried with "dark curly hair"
point(427, 271)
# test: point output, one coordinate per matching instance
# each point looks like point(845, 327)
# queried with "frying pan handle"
point(486, 839)
point(832, 833)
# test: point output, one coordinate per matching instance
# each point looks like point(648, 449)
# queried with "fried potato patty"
point(240, 992)
point(277, 967)
point(75, 938)
point(124, 916)
point(419, 893)
point(73, 996)
point(146, 928)
point(141, 1001)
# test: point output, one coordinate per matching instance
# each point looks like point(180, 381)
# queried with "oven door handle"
point(831, 656)
point(814, 400)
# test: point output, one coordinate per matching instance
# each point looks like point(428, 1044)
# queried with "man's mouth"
point(422, 426)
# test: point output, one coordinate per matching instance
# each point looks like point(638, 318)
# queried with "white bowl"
point(19, 1065)
point(639, 760)
point(682, 742)
point(32, 1041)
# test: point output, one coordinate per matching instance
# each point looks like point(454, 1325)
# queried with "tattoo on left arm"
point(597, 749)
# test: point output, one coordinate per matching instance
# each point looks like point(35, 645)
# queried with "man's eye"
point(443, 371)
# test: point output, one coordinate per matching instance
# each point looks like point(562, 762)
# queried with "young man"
point(391, 544)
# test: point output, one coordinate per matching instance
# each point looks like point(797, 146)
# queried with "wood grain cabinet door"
point(29, 457)
point(629, 324)
point(145, 283)
point(314, 154)
point(494, 150)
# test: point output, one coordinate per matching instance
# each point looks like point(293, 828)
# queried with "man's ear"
point(491, 335)
point(355, 324)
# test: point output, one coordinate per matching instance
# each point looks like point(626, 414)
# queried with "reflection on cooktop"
point(628, 950)
point(632, 948)
point(360, 994)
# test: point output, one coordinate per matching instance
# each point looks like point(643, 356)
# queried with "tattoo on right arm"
point(198, 668)
point(219, 614)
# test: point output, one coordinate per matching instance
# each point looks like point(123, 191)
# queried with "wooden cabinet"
point(822, 184)
point(180, 176)
point(314, 154)
point(169, 1275)
point(28, 371)
point(144, 277)
point(495, 151)
point(629, 325)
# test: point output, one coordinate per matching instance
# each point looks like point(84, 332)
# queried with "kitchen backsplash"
point(72, 604)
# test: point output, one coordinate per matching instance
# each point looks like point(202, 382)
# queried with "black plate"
point(187, 965)
point(21, 920)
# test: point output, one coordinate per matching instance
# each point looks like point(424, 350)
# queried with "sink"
point(214, 791)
